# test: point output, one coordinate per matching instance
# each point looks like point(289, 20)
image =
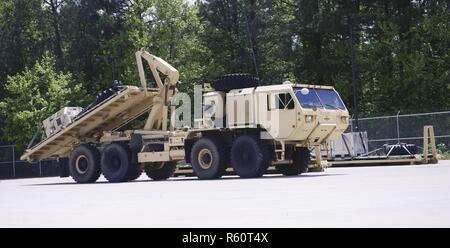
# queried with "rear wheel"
point(84, 164)
point(209, 158)
point(301, 158)
point(250, 156)
point(135, 146)
point(135, 174)
point(161, 172)
point(116, 163)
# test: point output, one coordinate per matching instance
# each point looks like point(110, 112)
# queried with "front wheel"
point(301, 158)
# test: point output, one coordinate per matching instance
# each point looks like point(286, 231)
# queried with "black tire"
point(84, 164)
point(159, 170)
point(116, 163)
point(209, 158)
point(301, 159)
point(250, 156)
point(135, 146)
point(134, 173)
point(166, 171)
point(235, 81)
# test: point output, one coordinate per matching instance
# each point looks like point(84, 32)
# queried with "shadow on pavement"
point(189, 179)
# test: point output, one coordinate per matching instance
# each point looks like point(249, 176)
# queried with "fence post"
point(351, 124)
point(14, 162)
point(40, 169)
point(398, 128)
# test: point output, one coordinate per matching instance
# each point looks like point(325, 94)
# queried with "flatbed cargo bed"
point(112, 113)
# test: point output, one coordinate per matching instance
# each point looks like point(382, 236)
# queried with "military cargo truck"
point(244, 126)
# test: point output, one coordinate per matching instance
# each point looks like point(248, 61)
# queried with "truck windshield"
point(319, 98)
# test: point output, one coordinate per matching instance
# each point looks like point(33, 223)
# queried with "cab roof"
point(288, 85)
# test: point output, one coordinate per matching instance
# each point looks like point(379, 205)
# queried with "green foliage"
point(22, 36)
point(33, 95)
point(443, 151)
point(87, 28)
point(406, 75)
point(402, 48)
point(168, 29)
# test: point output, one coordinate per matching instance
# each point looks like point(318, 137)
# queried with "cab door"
point(281, 114)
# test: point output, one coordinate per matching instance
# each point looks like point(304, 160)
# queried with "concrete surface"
point(389, 196)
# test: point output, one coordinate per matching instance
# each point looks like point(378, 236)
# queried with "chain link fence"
point(404, 128)
point(12, 167)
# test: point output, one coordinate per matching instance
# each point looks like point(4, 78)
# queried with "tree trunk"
point(57, 46)
point(252, 29)
point(234, 16)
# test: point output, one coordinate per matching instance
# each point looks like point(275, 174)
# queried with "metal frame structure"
point(429, 142)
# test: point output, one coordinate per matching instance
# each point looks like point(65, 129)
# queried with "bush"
point(33, 95)
point(443, 151)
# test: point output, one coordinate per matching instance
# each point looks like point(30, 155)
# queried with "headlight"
point(344, 119)
point(308, 118)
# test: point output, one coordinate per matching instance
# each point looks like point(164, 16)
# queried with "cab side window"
point(284, 101)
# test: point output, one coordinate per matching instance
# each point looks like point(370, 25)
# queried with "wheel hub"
point(81, 164)
point(205, 158)
point(245, 156)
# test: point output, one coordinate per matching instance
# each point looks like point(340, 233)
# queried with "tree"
point(33, 95)
point(87, 29)
point(168, 29)
point(406, 50)
point(402, 47)
point(22, 36)
point(226, 36)
point(54, 9)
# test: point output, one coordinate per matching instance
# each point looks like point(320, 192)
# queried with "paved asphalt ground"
point(389, 196)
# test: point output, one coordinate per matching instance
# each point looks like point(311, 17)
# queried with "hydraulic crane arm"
point(156, 65)
point(158, 116)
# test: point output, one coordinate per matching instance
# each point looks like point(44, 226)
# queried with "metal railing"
point(404, 128)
